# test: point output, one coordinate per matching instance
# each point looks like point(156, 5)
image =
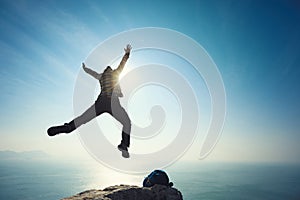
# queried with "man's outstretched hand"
point(83, 66)
point(128, 48)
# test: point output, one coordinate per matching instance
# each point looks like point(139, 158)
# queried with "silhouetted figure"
point(107, 101)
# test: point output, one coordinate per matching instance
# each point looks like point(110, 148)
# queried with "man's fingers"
point(128, 48)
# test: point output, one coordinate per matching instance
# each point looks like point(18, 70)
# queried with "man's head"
point(108, 68)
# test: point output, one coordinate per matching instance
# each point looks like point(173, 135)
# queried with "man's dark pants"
point(106, 104)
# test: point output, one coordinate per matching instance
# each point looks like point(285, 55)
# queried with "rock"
point(128, 192)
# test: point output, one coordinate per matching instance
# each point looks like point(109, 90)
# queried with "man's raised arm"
point(91, 72)
point(124, 59)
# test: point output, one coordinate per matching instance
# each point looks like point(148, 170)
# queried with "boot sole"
point(125, 153)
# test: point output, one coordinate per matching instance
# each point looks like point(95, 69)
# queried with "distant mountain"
point(12, 155)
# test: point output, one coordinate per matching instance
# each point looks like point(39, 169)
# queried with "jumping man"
point(107, 101)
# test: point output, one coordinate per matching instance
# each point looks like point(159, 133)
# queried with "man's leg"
point(100, 106)
point(96, 109)
point(119, 113)
point(85, 117)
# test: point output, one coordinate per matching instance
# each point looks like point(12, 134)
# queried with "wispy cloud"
point(42, 58)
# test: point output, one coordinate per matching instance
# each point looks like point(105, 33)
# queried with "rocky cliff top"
point(128, 192)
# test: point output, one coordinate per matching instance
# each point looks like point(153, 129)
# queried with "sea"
point(53, 179)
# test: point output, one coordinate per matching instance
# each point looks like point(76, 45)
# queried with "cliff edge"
point(128, 192)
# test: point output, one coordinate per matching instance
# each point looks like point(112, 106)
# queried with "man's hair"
point(108, 68)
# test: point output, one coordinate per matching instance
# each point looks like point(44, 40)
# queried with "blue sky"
point(255, 45)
